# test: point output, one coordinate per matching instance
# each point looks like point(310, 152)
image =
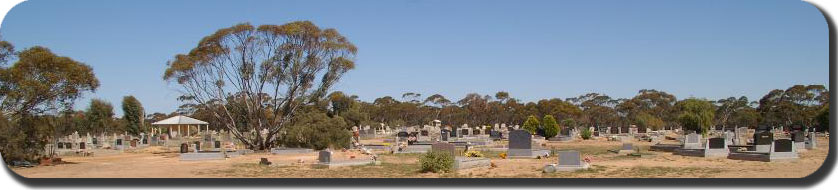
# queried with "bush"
point(532, 124)
point(551, 128)
point(317, 131)
point(437, 161)
point(586, 133)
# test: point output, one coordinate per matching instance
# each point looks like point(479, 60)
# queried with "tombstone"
point(463, 132)
point(783, 145)
point(624, 129)
point(476, 132)
point(95, 141)
point(68, 145)
point(424, 133)
point(60, 145)
point(495, 135)
point(217, 144)
point(133, 143)
point(520, 144)
point(402, 134)
point(453, 133)
point(324, 156)
point(626, 148)
point(82, 145)
point(614, 130)
point(118, 142)
point(197, 145)
point(184, 148)
point(716, 143)
point(145, 141)
point(569, 158)
point(641, 129)
point(798, 136)
point(762, 141)
point(444, 147)
point(692, 141)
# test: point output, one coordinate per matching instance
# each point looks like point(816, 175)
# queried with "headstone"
point(444, 147)
point(81, 145)
point(118, 142)
point(798, 136)
point(693, 141)
point(424, 133)
point(145, 141)
point(476, 132)
point(569, 158)
point(716, 143)
point(464, 132)
point(184, 148)
point(624, 129)
point(614, 130)
point(453, 133)
point(68, 145)
point(783, 145)
point(217, 144)
point(811, 142)
point(495, 135)
point(95, 141)
point(60, 145)
point(325, 156)
point(443, 136)
point(520, 139)
point(197, 145)
point(763, 138)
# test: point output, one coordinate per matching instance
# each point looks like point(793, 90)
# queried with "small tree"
point(437, 161)
point(132, 114)
point(568, 123)
point(696, 115)
point(551, 128)
point(531, 124)
point(100, 116)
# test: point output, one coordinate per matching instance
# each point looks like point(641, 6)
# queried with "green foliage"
point(132, 114)
point(316, 130)
point(586, 133)
point(696, 115)
point(648, 121)
point(26, 138)
point(532, 124)
point(437, 162)
point(551, 128)
point(100, 117)
point(823, 119)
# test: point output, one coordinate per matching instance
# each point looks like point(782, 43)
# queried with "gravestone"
point(133, 143)
point(324, 156)
point(81, 145)
point(217, 144)
point(495, 135)
point(476, 132)
point(798, 136)
point(453, 133)
point(624, 129)
point(145, 141)
point(693, 141)
point(197, 145)
point(444, 147)
point(118, 142)
point(716, 143)
point(184, 148)
point(783, 145)
point(402, 134)
point(464, 132)
point(424, 133)
point(95, 141)
point(811, 142)
point(520, 144)
point(443, 136)
point(60, 145)
point(569, 158)
point(762, 141)
point(614, 130)
point(68, 145)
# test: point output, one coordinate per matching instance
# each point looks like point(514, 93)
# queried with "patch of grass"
point(650, 172)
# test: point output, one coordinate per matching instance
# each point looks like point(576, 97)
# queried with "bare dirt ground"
point(161, 163)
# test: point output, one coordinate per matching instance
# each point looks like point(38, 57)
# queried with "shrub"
point(317, 131)
point(437, 161)
point(532, 124)
point(551, 128)
point(586, 133)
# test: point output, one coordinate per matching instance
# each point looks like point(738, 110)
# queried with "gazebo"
point(180, 122)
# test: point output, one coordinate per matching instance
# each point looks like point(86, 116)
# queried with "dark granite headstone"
point(763, 138)
point(60, 145)
point(641, 129)
point(453, 133)
point(145, 141)
point(783, 145)
point(134, 143)
point(184, 148)
point(443, 136)
point(464, 132)
point(217, 144)
point(716, 143)
point(615, 130)
point(82, 145)
point(402, 134)
point(520, 139)
point(444, 147)
point(476, 132)
point(624, 129)
point(324, 157)
point(424, 133)
point(798, 136)
point(495, 134)
point(118, 142)
point(95, 141)
point(68, 145)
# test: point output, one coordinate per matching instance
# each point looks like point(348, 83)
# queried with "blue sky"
point(532, 49)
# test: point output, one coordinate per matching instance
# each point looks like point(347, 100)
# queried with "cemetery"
point(401, 152)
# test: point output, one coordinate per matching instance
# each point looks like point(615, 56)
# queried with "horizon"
point(750, 51)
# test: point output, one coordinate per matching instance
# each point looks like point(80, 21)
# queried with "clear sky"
point(532, 49)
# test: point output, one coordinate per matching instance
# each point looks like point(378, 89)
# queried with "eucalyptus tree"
point(289, 65)
point(132, 113)
point(695, 114)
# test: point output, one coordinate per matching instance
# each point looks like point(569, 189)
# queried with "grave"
point(780, 150)
point(624, 129)
point(326, 159)
point(199, 156)
point(567, 161)
point(799, 138)
point(692, 141)
point(283, 150)
point(82, 145)
point(763, 140)
point(714, 148)
point(811, 142)
point(520, 146)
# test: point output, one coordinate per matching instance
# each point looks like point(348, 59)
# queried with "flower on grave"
point(474, 154)
point(588, 159)
point(502, 155)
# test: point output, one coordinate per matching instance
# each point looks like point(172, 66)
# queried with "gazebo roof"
point(180, 120)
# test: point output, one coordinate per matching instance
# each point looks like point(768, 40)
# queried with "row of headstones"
point(762, 140)
point(196, 146)
point(626, 130)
